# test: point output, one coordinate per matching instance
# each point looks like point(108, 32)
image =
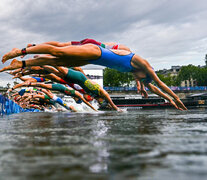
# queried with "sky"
point(165, 32)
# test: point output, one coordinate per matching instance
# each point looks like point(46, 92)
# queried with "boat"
point(154, 101)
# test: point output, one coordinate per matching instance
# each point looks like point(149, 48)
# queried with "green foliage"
point(193, 72)
point(115, 78)
point(188, 72)
point(168, 80)
point(201, 77)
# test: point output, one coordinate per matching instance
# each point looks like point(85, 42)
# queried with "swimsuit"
point(39, 79)
point(87, 41)
point(63, 89)
point(46, 97)
point(147, 80)
point(112, 60)
point(80, 79)
point(58, 100)
point(22, 91)
point(73, 85)
point(92, 41)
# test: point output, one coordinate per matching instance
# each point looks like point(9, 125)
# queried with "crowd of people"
point(55, 67)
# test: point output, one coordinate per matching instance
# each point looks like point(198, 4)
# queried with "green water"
point(141, 144)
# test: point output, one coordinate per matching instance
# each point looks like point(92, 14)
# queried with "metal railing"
point(174, 88)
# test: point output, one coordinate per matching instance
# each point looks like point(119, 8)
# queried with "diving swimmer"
point(70, 56)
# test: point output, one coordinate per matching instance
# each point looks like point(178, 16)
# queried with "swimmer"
point(108, 45)
point(71, 56)
point(55, 78)
point(28, 80)
point(58, 87)
point(77, 79)
point(76, 87)
point(72, 77)
point(21, 92)
point(50, 96)
point(92, 88)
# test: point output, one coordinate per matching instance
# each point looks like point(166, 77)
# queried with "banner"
point(7, 106)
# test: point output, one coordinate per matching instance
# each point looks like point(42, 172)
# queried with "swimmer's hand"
point(180, 104)
point(174, 104)
point(120, 110)
point(144, 93)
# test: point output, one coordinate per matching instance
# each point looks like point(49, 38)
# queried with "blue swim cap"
point(21, 92)
point(79, 101)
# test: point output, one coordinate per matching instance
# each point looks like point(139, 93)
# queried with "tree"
point(115, 78)
point(168, 80)
point(188, 73)
point(193, 72)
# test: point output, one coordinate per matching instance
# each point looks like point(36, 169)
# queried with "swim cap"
point(88, 98)
point(79, 101)
point(21, 92)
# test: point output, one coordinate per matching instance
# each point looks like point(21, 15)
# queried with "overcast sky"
point(165, 32)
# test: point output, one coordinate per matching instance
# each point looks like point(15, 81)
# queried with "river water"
point(137, 144)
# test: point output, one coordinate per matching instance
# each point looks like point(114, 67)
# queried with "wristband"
point(24, 52)
point(23, 64)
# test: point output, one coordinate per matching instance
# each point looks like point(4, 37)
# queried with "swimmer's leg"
point(15, 64)
point(83, 52)
point(39, 61)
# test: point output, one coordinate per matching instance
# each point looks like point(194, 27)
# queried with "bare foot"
point(15, 64)
point(12, 54)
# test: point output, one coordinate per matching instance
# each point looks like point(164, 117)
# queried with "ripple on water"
point(145, 144)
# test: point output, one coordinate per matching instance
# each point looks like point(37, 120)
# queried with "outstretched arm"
point(83, 99)
point(53, 77)
point(139, 62)
point(15, 71)
point(107, 97)
point(35, 84)
point(166, 89)
point(143, 90)
point(58, 100)
point(155, 90)
point(20, 85)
